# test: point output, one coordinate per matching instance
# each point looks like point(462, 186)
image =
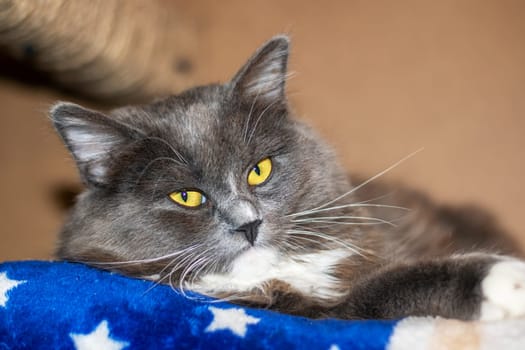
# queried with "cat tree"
point(112, 50)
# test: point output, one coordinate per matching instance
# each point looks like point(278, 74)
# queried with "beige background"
point(379, 79)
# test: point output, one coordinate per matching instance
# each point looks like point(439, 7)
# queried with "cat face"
point(190, 183)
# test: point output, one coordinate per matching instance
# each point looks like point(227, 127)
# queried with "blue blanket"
point(59, 305)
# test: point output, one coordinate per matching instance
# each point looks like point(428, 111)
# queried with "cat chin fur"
point(312, 274)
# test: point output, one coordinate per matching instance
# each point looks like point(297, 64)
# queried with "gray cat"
point(220, 190)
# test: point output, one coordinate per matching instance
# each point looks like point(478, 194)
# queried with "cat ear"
point(91, 137)
point(262, 78)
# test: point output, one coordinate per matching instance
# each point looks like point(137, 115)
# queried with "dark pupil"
point(257, 170)
point(184, 196)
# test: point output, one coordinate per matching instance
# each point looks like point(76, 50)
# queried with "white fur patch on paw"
point(504, 291)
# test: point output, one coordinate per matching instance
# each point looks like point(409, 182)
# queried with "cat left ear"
point(91, 137)
point(262, 79)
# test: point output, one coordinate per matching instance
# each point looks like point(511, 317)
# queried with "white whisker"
point(354, 189)
point(360, 204)
point(177, 153)
point(335, 218)
point(259, 119)
point(332, 222)
point(302, 237)
point(197, 260)
point(376, 198)
point(140, 261)
point(338, 241)
point(143, 172)
point(246, 128)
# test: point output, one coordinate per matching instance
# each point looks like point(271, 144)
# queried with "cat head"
point(196, 179)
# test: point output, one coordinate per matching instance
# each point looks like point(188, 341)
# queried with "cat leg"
point(468, 287)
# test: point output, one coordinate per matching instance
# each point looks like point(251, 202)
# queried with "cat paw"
point(503, 291)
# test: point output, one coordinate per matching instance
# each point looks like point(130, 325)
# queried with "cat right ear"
point(91, 137)
point(262, 79)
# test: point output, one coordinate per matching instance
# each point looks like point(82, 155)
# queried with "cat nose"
point(250, 230)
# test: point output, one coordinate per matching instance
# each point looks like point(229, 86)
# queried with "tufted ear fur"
point(262, 78)
point(91, 137)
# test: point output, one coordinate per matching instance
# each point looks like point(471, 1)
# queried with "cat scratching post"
point(106, 49)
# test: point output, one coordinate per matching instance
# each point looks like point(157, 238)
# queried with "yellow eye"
point(260, 172)
point(191, 199)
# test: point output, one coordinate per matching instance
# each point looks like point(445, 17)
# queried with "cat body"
point(221, 191)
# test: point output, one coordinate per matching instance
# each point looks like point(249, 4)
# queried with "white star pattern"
point(236, 320)
point(99, 339)
point(6, 285)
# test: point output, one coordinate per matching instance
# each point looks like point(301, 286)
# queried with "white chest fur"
point(312, 274)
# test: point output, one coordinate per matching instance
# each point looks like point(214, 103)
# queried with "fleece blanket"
point(59, 305)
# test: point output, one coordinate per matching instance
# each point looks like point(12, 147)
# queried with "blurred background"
point(378, 79)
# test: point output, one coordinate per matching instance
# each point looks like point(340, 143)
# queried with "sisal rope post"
point(113, 50)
